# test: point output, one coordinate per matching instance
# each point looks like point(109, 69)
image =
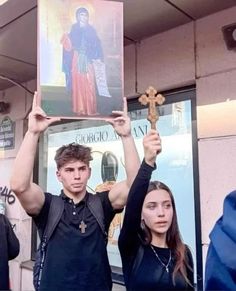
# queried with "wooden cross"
point(152, 99)
point(82, 226)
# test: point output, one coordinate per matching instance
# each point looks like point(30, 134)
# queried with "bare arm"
point(30, 194)
point(122, 125)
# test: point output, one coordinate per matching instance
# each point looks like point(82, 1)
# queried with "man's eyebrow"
point(80, 167)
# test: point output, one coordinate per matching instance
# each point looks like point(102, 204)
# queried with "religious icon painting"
point(80, 58)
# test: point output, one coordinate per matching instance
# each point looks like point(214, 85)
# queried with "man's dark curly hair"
point(71, 152)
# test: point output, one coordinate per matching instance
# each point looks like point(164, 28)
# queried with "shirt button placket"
point(74, 212)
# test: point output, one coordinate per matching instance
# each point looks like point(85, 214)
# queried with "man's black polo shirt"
point(76, 261)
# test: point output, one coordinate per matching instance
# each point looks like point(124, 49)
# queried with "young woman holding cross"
point(153, 254)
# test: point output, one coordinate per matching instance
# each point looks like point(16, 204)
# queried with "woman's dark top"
point(149, 273)
point(9, 249)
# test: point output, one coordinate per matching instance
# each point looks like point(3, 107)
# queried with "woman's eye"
point(167, 206)
point(151, 207)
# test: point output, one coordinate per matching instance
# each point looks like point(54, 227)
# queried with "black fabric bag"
point(54, 215)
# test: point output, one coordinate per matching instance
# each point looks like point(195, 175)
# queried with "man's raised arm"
point(30, 194)
point(122, 125)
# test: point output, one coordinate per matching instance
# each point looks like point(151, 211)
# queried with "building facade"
point(192, 54)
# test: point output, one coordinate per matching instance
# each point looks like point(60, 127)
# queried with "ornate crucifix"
point(152, 99)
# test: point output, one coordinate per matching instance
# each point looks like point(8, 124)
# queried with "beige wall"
point(190, 54)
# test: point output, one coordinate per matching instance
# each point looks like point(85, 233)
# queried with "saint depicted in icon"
point(82, 56)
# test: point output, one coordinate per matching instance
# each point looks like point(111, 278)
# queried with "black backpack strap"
point(95, 206)
point(54, 215)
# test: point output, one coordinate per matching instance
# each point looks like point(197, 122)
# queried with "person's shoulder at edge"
point(4, 219)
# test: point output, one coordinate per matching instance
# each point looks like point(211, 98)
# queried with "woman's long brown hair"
point(173, 236)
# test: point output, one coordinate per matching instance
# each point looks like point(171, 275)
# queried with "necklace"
point(167, 265)
point(83, 225)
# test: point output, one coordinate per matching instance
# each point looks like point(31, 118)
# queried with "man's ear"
point(58, 175)
point(90, 171)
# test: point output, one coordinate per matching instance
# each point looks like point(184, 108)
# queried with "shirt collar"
point(68, 199)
